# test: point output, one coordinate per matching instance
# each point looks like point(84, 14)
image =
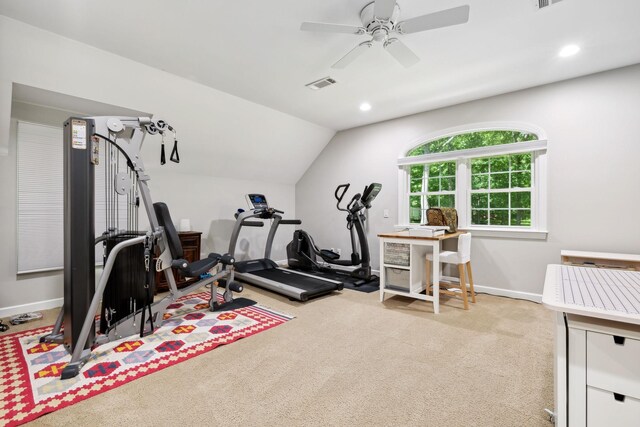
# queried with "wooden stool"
point(462, 258)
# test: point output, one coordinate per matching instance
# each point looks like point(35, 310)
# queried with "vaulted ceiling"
point(254, 49)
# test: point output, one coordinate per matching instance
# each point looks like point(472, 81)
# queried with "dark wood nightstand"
point(190, 241)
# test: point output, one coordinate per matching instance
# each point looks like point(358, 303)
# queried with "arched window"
point(492, 177)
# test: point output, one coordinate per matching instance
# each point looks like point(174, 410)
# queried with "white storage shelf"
point(404, 269)
point(399, 267)
point(403, 252)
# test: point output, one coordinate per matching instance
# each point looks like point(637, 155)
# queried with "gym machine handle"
point(290, 222)
point(175, 156)
point(252, 224)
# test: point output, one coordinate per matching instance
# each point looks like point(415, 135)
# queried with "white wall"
point(228, 146)
point(592, 124)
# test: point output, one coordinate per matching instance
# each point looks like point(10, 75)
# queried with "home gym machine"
point(126, 284)
point(264, 272)
point(302, 250)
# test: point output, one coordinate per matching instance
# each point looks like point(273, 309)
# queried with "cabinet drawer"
point(190, 254)
point(189, 241)
point(603, 409)
point(613, 366)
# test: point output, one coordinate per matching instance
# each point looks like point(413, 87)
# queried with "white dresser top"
point(595, 292)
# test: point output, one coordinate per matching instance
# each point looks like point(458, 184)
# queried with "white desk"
point(419, 246)
point(597, 345)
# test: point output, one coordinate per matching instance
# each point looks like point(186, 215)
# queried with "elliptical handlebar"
point(353, 205)
point(344, 188)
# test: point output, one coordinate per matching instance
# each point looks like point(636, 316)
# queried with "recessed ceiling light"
point(365, 106)
point(569, 50)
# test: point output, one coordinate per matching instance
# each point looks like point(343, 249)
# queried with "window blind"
point(40, 198)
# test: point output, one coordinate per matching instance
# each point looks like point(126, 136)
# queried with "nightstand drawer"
point(190, 241)
point(613, 363)
point(606, 409)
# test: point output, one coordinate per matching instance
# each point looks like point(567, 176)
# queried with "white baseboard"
point(509, 293)
point(482, 289)
point(34, 306)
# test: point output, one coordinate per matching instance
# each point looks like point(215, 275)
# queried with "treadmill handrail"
point(242, 216)
point(242, 219)
point(290, 222)
point(252, 224)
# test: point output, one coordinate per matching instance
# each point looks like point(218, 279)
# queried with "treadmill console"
point(257, 201)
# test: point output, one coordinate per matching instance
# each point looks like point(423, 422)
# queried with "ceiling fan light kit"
point(380, 20)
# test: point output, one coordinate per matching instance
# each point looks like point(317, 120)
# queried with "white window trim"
point(495, 150)
point(463, 177)
point(472, 127)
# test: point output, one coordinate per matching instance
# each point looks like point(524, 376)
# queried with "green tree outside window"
point(431, 185)
point(500, 186)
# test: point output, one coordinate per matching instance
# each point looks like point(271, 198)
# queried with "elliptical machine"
point(302, 251)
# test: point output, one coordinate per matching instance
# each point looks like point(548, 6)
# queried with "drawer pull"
point(619, 397)
point(618, 339)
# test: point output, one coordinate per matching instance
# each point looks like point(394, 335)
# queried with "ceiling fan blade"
point(431, 21)
point(331, 28)
point(383, 9)
point(352, 55)
point(401, 52)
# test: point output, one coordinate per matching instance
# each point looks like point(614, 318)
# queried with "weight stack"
point(125, 287)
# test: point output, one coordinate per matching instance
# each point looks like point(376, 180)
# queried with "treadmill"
point(264, 272)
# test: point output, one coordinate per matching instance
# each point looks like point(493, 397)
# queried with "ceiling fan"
point(380, 21)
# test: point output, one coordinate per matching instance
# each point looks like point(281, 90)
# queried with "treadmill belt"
point(312, 285)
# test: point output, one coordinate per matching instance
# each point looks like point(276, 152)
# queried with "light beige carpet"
point(348, 360)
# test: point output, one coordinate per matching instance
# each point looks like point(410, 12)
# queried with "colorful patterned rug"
point(30, 384)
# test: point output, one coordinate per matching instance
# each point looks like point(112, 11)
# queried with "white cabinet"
point(597, 346)
point(402, 265)
point(603, 375)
